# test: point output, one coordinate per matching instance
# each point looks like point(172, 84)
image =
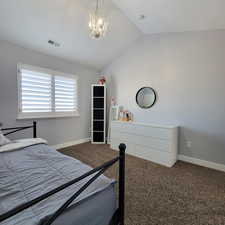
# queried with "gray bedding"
point(35, 170)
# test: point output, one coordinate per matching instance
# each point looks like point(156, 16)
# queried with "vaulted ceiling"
point(31, 23)
point(162, 16)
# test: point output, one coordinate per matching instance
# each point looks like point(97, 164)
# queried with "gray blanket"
point(35, 170)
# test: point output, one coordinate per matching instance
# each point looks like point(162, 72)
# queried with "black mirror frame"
point(153, 101)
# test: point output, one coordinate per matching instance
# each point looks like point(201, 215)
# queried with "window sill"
point(26, 116)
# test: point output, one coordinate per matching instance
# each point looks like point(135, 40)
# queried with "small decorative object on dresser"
point(155, 143)
point(113, 115)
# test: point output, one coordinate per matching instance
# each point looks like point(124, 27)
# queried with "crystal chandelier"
point(98, 23)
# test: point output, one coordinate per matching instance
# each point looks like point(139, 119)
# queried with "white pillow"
point(3, 140)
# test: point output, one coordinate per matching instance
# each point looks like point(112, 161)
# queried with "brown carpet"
point(155, 195)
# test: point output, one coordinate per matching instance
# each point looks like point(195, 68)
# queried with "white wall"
point(187, 70)
point(56, 131)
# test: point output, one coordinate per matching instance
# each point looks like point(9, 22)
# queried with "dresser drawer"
point(163, 158)
point(156, 143)
point(116, 142)
point(146, 131)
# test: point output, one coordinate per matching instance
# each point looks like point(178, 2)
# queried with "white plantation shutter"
point(35, 92)
point(44, 93)
point(65, 94)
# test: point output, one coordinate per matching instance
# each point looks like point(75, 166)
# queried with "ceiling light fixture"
point(98, 23)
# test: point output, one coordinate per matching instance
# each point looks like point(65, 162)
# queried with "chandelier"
point(98, 23)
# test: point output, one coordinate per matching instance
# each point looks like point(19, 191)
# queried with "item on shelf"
point(102, 80)
point(126, 116)
point(113, 101)
point(113, 116)
point(121, 115)
point(131, 117)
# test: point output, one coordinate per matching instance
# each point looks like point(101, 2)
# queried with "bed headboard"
point(12, 130)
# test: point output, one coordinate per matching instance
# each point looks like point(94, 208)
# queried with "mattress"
point(32, 171)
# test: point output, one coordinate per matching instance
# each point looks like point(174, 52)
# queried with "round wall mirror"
point(146, 97)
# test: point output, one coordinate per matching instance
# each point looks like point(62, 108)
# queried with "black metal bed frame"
point(118, 217)
point(16, 129)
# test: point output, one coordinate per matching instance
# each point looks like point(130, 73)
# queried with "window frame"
point(44, 115)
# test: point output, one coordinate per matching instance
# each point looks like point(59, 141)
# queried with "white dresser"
point(152, 142)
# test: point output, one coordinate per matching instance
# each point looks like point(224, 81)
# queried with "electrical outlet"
point(188, 144)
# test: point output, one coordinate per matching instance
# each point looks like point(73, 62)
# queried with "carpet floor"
point(155, 195)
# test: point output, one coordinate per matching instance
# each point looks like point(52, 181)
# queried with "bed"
point(40, 186)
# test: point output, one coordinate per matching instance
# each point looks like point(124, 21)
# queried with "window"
point(44, 93)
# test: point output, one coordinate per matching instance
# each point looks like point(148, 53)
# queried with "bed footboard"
point(118, 217)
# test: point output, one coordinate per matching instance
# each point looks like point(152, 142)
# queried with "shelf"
point(98, 119)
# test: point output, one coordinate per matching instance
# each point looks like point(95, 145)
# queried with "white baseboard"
point(200, 162)
point(71, 143)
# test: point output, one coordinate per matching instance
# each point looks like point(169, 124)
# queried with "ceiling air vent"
point(56, 44)
point(142, 17)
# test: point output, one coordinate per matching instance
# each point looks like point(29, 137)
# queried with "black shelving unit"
point(98, 114)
